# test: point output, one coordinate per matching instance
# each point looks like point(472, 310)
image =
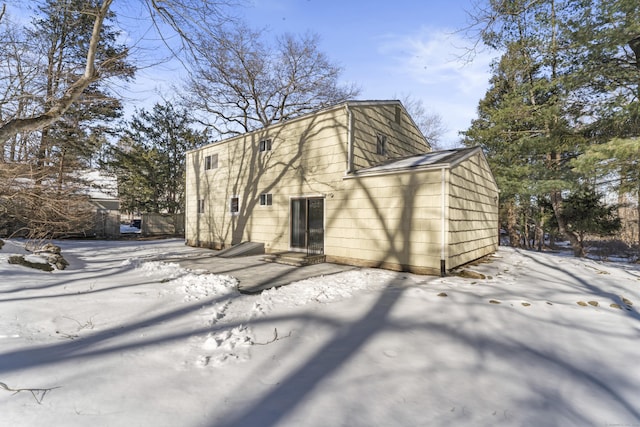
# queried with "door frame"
point(305, 247)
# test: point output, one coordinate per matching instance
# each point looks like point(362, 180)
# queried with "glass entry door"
point(298, 223)
point(307, 224)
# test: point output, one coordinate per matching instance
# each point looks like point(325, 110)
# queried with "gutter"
point(349, 140)
point(443, 226)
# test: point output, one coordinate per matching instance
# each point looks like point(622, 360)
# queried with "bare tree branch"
point(37, 393)
point(73, 92)
point(243, 82)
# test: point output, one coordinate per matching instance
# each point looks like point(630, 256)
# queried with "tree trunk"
point(576, 245)
point(540, 230)
point(511, 225)
point(638, 209)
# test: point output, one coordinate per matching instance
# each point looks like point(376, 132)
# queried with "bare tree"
point(241, 82)
point(36, 211)
point(182, 16)
point(17, 76)
point(429, 123)
point(74, 90)
point(47, 86)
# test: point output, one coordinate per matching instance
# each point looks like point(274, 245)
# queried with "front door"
point(307, 224)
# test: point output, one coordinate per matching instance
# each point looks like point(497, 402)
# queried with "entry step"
point(297, 259)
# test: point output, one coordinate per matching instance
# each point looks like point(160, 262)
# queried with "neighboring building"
point(102, 189)
point(162, 224)
point(355, 182)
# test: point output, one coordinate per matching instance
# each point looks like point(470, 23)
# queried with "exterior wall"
point(391, 221)
point(391, 120)
point(107, 224)
point(473, 212)
point(162, 224)
point(107, 218)
point(307, 158)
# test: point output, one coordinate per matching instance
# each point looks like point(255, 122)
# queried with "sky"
point(389, 49)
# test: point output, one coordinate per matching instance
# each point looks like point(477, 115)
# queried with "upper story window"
point(201, 206)
point(381, 146)
point(265, 145)
point(266, 199)
point(234, 205)
point(211, 162)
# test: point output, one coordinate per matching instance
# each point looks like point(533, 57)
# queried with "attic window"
point(211, 162)
point(381, 146)
point(398, 115)
point(266, 199)
point(265, 145)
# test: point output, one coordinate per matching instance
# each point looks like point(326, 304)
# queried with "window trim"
point(264, 145)
point(237, 205)
point(201, 206)
point(266, 199)
point(211, 161)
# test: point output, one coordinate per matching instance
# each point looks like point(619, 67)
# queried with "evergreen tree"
point(150, 159)
point(618, 161)
point(585, 214)
point(566, 80)
point(522, 124)
point(61, 33)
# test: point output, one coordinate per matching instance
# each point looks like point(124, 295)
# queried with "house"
point(356, 183)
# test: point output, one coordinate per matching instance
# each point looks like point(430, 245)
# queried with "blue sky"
point(390, 49)
point(393, 48)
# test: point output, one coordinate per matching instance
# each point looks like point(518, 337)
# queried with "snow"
point(133, 340)
point(128, 229)
point(100, 185)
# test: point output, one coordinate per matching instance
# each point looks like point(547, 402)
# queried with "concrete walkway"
point(254, 274)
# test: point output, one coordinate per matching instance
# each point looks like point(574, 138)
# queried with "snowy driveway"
point(122, 339)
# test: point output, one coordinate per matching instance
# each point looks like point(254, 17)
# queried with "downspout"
point(349, 140)
point(443, 226)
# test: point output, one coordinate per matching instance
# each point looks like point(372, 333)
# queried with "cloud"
point(436, 57)
point(434, 65)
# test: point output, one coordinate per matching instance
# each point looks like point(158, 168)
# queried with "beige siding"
point(403, 138)
point(388, 220)
point(308, 157)
point(473, 212)
point(392, 221)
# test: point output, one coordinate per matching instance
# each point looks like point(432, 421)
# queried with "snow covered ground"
point(121, 338)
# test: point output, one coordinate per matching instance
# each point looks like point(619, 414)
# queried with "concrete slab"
point(254, 274)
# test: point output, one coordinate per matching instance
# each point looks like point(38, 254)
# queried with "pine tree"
point(585, 214)
point(567, 79)
point(150, 159)
point(61, 33)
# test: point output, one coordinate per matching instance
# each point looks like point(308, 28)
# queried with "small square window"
point(234, 205)
point(266, 199)
point(211, 162)
point(381, 147)
point(265, 145)
point(201, 206)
